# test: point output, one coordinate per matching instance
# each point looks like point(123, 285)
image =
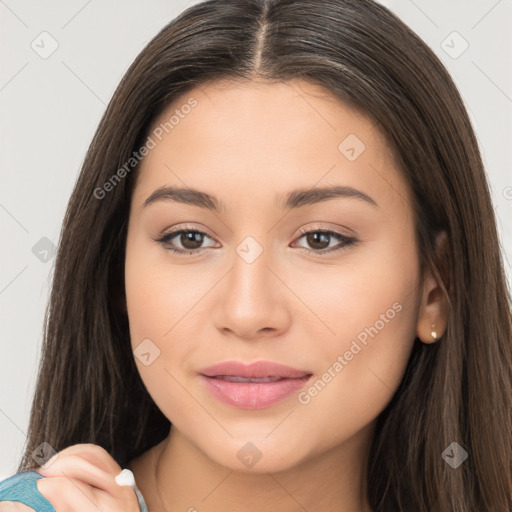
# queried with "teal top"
point(22, 487)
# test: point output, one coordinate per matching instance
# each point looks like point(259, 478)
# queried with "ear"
point(433, 312)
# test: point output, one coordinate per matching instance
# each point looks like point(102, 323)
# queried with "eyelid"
point(322, 227)
point(345, 239)
point(179, 229)
point(184, 227)
point(307, 229)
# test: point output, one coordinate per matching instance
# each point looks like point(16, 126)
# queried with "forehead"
point(292, 109)
point(248, 137)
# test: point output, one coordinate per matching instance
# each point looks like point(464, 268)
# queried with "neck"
point(180, 477)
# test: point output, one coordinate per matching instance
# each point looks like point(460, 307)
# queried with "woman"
point(279, 280)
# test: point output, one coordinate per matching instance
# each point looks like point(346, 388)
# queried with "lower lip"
point(253, 395)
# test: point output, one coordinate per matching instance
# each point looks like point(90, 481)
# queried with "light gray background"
point(50, 108)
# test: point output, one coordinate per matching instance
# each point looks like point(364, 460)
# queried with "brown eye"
point(190, 241)
point(318, 241)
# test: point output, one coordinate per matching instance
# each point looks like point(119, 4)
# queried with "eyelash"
point(344, 239)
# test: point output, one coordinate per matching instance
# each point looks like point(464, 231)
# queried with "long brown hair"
point(460, 389)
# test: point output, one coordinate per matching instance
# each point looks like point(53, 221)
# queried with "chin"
point(255, 454)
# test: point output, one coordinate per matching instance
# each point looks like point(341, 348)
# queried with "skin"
point(246, 144)
point(299, 308)
point(81, 477)
point(11, 506)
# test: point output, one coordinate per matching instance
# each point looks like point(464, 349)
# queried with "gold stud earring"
point(433, 333)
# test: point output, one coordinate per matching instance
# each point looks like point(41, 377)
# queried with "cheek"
point(362, 311)
point(157, 298)
point(160, 311)
point(372, 308)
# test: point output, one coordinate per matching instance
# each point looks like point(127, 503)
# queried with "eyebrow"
point(294, 199)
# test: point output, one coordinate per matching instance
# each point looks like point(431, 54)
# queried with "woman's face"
point(263, 283)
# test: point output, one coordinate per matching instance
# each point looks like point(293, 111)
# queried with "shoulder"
point(21, 479)
point(14, 506)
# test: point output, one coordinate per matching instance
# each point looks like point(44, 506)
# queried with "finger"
point(91, 464)
point(70, 495)
point(77, 467)
point(66, 494)
point(92, 452)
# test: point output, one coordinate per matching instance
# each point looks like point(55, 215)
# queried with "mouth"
point(257, 370)
point(255, 386)
point(234, 378)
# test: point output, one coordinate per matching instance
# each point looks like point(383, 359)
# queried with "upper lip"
point(259, 369)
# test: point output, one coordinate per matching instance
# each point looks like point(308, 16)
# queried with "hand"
point(81, 478)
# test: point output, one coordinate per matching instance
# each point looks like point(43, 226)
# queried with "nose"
point(252, 301)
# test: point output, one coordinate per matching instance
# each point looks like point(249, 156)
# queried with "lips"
point(230, 378)
point(254, 386)
point(257, 370)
